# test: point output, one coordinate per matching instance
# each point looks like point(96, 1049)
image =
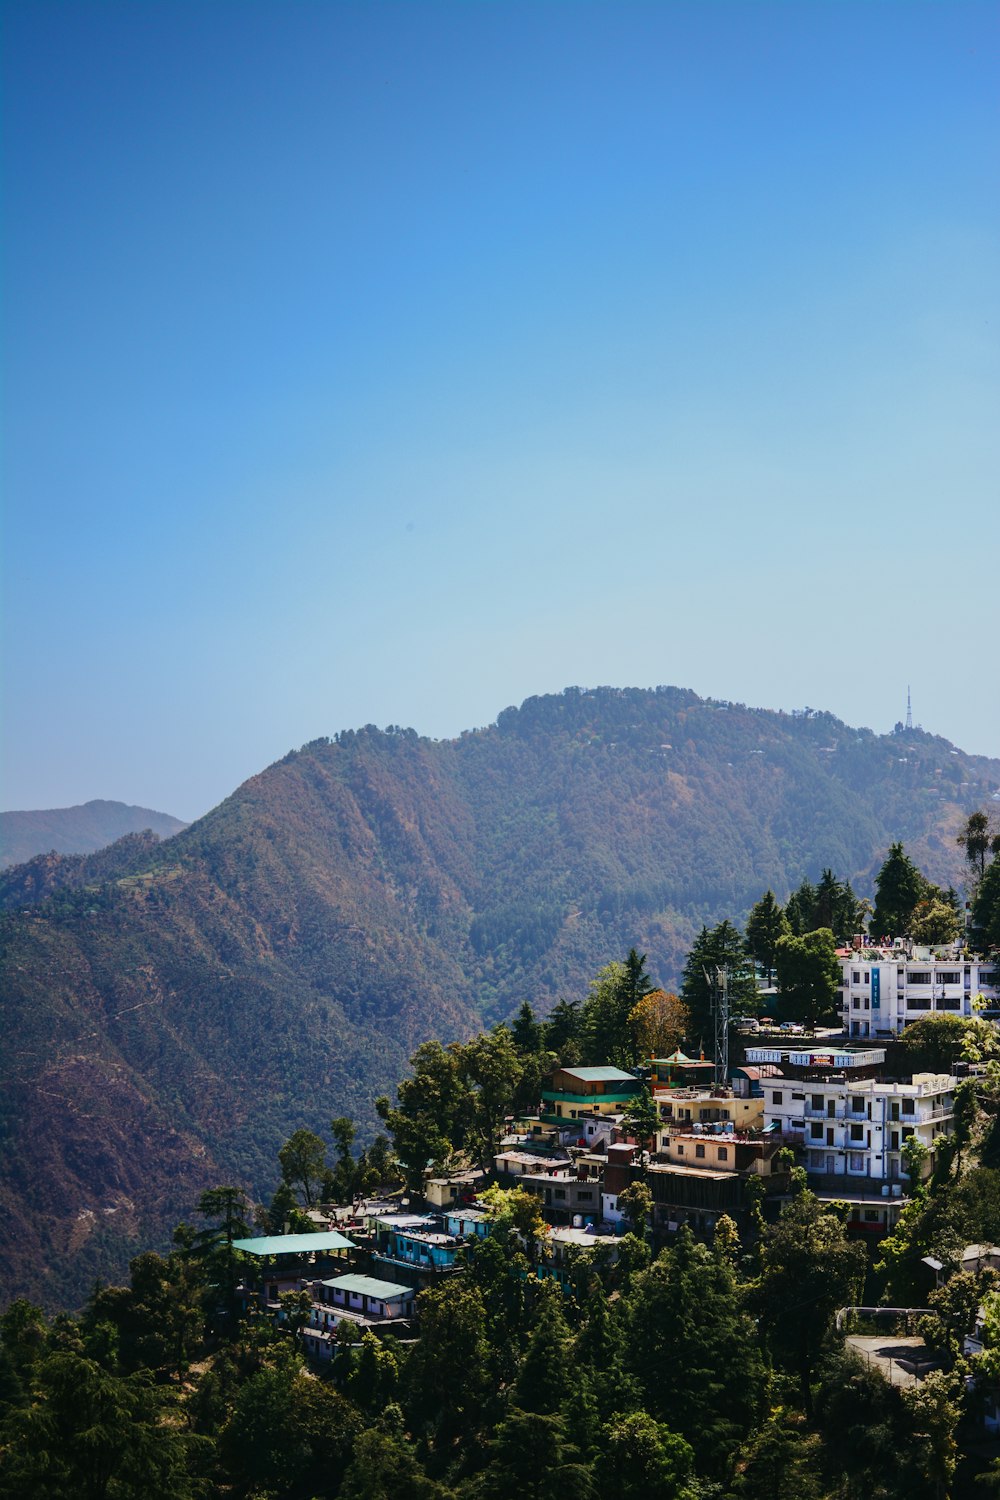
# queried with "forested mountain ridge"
point(76, 830)
point(172, 1013)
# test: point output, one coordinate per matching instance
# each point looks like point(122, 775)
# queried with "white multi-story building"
point(885, 988)
point(856, 1128)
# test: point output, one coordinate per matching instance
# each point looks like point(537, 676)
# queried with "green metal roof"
point(367, 1286)
point(560, 1096)
point(294, 1244)
point(599, 1075)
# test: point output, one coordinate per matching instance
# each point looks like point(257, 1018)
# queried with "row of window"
point(722, 1153)
point(925, 976)
point(858, 1104)
point(857, 1132)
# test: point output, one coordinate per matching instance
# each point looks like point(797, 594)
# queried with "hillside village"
point(849, 1120)
point(771, 1263)
point(674, 1147)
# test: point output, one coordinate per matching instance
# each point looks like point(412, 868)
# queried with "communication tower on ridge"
point(909, 710)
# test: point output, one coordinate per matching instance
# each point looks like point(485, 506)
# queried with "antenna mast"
point(719, 980)
point(909, 710)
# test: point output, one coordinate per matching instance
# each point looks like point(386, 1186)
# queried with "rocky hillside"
point(173, 1010)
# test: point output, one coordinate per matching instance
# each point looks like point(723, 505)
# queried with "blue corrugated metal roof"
point(294, 1244)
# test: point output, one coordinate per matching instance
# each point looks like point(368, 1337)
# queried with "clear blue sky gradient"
point(393, 362)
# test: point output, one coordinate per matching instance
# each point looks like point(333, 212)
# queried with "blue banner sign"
point(876, 978)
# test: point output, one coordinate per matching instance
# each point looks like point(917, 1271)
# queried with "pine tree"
point(810, 1269)
point(695, 1351)
point(721, 947)
point(765, 925)
point(561, 1032)
point(899, 886)
point(800, 908)
point(526, 1031)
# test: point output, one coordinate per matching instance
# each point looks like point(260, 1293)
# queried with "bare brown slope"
point(174, 1026)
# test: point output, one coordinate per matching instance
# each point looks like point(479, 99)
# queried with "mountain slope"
point(173, 1010)
point(76, 830)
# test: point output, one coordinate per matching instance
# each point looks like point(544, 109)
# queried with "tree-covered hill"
point(173, 1010)
point(76, 830)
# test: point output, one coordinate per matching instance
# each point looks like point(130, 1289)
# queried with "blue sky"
point(393, 362)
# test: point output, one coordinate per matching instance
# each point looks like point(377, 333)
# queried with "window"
point(816, 1132)
point(798, 1096)
point(909, 1105)
point(857, 1132)
point(948, 976)
point(776, 1098)
point(857, 1104)
point(857, 1161)
point(699, 1151)
point(816, 1102)
point(921, 978)
point(723, 1153)
point(585, 1195)
point(680, 1148)
point(856, 977)
point(872, 1215)
point(560, 1192)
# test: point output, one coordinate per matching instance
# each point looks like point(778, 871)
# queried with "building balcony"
point(857, 1185)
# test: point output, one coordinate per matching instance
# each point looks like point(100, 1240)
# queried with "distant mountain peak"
point(76, 830)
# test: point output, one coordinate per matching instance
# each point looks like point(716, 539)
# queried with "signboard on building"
point(876, 993)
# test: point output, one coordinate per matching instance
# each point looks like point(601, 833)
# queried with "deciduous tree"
point(659, 1024)
point(492, 1070)
point(303, 1164)
point(980, 839)
point(808, 975)
point(641, 1118)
